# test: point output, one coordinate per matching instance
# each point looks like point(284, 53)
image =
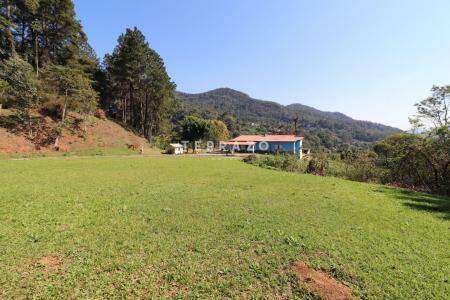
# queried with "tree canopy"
point(141, 89)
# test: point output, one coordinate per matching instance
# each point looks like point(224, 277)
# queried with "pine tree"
point(43, 32)
point(140, 85)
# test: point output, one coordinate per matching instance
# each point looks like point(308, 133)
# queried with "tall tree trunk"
point(130, 91)
point(9, 35)
point(142, 114)
point(22, 37)
point(36, 54)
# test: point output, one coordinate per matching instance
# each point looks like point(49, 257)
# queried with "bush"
point(361, 166)
point(318, 164)
point(417, 161)
point(284, 162)
point(161, 142)
point(250, 159)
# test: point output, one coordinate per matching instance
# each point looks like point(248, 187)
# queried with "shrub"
point(161, 141)
point(417, 161)
point(361, 166)
point(285, 162)
point(318, 164)
point(250, 159)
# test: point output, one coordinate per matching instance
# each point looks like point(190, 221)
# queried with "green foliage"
point(217, 131)
point(361, 166)
point(354, 165)
point(141, 89)
point(71, 87)
point(4, 88)
point(286, 162)
point(417, 161)
point(318, 164)
point(436, 108)
point(19, 84)
point(161, 141)
point(49, 31)
point(194, 128)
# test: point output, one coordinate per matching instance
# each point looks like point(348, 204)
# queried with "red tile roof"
point(238, 143)
point(267, 138)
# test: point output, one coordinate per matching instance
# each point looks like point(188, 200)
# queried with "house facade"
point(265, 144)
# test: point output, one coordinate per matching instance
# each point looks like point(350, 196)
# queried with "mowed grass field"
point(210, 228)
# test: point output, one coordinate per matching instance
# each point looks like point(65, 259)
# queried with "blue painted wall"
point(290, 147)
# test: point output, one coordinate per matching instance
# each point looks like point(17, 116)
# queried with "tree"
point(6, 12)
point(72, 89)
point(141, 88)
point(217, 131)
point(42, 31)
point(18, 75)
point(21, 86)
point(416, 161)
point(436, 107)
point(194, 128)
point(231, 123)
point(416, 124)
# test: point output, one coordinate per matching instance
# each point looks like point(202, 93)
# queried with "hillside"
point(327, 129)
point(98, 135)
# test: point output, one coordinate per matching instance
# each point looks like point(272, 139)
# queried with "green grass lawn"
point(210, 227)
point(96, 151)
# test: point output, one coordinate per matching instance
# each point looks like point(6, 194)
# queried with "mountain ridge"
point(254, 116)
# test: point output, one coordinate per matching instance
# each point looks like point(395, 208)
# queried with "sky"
point(371, 60)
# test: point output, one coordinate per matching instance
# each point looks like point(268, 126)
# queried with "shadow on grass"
point(420, 201)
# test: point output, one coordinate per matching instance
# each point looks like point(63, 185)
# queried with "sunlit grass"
point(210, 227)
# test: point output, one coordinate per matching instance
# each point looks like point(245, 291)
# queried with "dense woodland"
point(48, 69)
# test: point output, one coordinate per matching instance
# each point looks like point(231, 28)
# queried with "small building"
point(265, 144)
point(175, 149)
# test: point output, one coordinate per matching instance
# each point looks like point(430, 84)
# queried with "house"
point(175, 149)
point(265, 144)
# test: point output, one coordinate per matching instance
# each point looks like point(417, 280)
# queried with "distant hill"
point(247, 115)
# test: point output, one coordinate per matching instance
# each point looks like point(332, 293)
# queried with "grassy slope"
point(210, 227)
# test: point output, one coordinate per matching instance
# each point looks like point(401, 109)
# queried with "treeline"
point(418, 160)
point(48, 68)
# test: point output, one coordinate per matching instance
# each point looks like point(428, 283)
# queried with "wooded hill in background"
point(245, 115)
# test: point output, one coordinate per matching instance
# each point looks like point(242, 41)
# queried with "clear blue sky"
point(371, 60)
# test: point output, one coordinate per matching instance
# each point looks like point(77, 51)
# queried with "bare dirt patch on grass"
point(322, 284)
point(77, 134)
point(50, 262)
